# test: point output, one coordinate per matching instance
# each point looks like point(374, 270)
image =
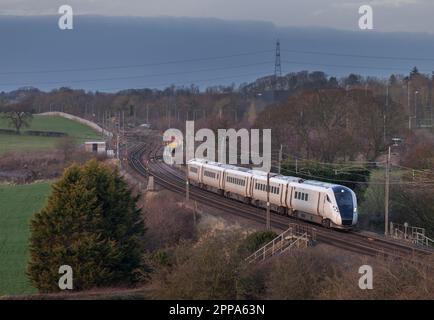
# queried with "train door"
point(321, 203)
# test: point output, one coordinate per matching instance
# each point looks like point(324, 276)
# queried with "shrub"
point(91, 223)
point(255, 240)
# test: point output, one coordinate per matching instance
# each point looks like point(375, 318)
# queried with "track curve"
point(146, 159)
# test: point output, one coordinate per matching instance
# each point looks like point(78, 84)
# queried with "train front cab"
point(345, 205)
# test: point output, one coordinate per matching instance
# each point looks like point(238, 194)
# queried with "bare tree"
point(18, 116)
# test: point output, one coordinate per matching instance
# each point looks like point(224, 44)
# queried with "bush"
point(255, 240)
point(91, 223)
point(168, 222)
point(303, 274)
point(415, 205)
point(208, 270)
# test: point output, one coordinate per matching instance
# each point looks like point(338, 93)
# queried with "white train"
point(329, 204)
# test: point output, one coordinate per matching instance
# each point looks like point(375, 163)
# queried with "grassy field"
point(44, 123)
point(17, 205)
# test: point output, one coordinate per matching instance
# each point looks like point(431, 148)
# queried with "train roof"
point(262, 174)
point(275, 176)
point(320, 183)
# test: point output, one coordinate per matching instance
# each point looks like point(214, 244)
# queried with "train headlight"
point(355, 210)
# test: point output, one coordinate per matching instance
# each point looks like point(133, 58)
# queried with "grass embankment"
point(23, 142)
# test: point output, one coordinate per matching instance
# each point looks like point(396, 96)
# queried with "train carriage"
point(237, 182)
point(194, 170)
point(212, 175)
point(278, 188)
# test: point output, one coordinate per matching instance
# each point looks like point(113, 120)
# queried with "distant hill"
point(36, 43)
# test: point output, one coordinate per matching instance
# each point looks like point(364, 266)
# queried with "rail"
point(144, 155)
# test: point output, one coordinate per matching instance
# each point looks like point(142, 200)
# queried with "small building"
point(98, 147)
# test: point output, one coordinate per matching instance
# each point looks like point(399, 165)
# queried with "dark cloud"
point(389, 15)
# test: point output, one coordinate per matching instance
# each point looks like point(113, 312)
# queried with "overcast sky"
point(389, 15)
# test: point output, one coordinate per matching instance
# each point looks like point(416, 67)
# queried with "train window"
point(307, 197)
point(209, 174)
point(328, 199)
point(296, 195)
point(193, 169)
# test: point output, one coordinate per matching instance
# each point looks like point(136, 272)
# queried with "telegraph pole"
point(408, 105)
point(187, 188)
point(386, 195)
point(385, 113)
point(268, 224)
point(280, 157)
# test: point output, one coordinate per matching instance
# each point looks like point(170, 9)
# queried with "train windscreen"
point(344, 199)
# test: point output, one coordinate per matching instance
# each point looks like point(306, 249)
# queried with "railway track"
point(174, 180)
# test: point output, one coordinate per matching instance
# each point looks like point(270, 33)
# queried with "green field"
point(44, 123)
point(17, 205)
